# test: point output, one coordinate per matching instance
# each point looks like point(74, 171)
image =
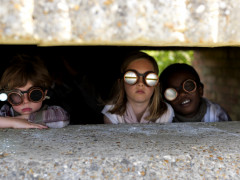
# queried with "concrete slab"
point(208, 23)
point(152, 151)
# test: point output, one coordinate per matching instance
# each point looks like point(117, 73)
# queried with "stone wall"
point(138, 151)
point(219, 71)
point(116, 22)
point(155, 23)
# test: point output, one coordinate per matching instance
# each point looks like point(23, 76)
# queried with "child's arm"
point(52, 116)
point(13, 122)
point(106, 120)
point(108, 117)
point(6, 121)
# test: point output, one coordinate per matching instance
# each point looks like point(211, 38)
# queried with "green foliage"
point(165, 58)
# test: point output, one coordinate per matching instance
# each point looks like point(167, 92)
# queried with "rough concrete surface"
point(141, 151)
point(206, 23)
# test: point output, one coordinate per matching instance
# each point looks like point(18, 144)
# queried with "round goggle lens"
point(189, 86)
point(36, 95)
point(151, 79)
point(130, 77)
point(15, 98)
point(170, 94)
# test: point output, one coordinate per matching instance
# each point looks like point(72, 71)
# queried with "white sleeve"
point(112, 117)
point(167, 117)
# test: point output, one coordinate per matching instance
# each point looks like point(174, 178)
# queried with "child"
point(25, 83)
point(136, 98)
point(183, 90)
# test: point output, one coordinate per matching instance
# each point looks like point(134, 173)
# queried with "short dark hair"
point(24, 68)
point(177, 68)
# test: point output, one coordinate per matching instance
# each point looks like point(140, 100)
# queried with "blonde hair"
point(24, 68)
point(156, 106)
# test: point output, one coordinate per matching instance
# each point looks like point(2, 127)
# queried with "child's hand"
point(16, 123)
point(24, 123)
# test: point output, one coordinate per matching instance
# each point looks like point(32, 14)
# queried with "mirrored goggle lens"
point(130, 77)
point(189, 86)
point(151, 79)
point(3, 96)
point(14, 98)
point(170, 94)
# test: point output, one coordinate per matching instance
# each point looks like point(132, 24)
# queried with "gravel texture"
point(173, 151)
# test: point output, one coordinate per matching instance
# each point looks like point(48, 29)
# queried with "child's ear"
point(46, 97)
point(200, 89)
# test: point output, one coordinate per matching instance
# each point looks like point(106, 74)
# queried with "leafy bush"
point(165, 58)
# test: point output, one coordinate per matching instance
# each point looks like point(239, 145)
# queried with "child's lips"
point(140, 91)
point(27, 110)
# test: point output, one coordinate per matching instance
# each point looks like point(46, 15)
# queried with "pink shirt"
point(130, 117)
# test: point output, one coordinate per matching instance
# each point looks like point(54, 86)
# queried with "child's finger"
point(38, 126)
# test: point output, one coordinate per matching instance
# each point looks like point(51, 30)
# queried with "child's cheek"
point(17, 109)
point(172, 104)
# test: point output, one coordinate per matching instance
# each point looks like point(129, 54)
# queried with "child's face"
point(186, 103)
point(139, 92)
point(27, 107)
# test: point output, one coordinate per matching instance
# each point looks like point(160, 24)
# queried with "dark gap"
point(93, 71)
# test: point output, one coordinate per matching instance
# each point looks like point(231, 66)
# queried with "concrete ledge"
point(207, 23)
point(174, 151)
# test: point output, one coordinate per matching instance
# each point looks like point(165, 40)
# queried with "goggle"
point(150, 78)
point(188, 86)
point(16, 97)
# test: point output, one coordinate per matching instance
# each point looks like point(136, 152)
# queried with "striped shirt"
point(51, 116)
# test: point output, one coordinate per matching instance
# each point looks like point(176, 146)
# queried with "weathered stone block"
point(126, 151)
point(116, 22)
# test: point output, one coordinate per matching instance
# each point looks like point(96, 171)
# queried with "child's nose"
point(182, 92)
point(140, 81)
point(25, 98)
